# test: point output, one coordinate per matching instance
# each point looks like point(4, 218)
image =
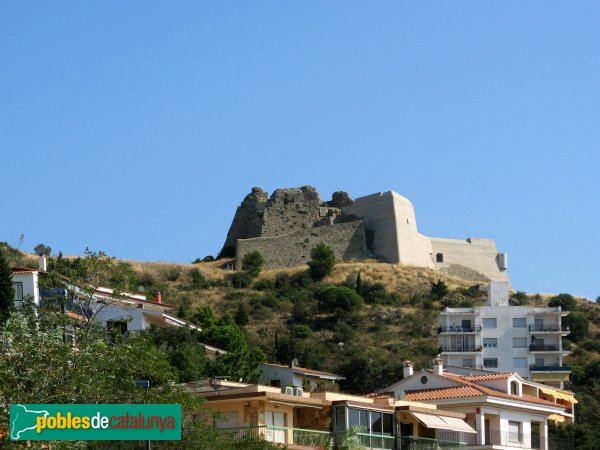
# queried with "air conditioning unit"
point(287, 390)
point(298, 391)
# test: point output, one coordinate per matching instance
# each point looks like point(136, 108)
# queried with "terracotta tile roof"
point(470, 389)
point(23, 269)
point(443, 393)
point(488, 377)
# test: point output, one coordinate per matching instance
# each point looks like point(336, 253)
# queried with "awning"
point(556, 394)
point(556, 418)
point(443, 422)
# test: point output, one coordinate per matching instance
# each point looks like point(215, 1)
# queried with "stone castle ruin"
point(286, 226)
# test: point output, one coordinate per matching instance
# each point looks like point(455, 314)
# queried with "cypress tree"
point(7, 293)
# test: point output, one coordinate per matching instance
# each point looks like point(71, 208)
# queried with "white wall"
point(29, 281)
point(133, 316)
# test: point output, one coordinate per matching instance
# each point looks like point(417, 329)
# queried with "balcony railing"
point(549, 348)
point(280, 435)
point(461, 348)
point(554, 368)
point(547, 328)
point(419, 443)
point(460, 329)
point(377, 441)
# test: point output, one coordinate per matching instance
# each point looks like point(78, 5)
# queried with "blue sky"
point(137, 127)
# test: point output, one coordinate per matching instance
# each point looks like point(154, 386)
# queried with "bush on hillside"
point(566, 301)
point(322, 261)
point(240, 280)
point(253, 263)
point(342, 301)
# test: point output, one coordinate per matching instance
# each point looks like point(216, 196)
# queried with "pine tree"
point(7, 292)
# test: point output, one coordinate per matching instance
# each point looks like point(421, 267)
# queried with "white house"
point(499, 337)
point(278, 375)
point(505, 413)
point(25, 284)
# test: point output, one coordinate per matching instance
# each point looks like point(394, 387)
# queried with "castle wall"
point(247, 222)
point(346, 239)
point(477, 254)
point(290, 210)
point(390, 220)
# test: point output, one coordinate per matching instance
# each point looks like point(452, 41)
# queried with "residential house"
point(311, 420)
point(25, 284)
point(504, 338)
point(506, 411)
point(278, 375)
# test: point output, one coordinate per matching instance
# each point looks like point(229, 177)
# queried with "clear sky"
point(137, 127)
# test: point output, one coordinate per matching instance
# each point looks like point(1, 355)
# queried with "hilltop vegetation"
point(362, 321)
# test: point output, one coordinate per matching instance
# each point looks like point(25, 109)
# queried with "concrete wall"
point(29, 282)
point(477, 254)
point(346, 239)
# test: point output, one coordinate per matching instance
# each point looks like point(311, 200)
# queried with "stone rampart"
point(346, 239)
point(477, 254)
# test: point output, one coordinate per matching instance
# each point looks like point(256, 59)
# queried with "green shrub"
point(566, 301)
point(322, 261)
point(300, 331)
point(264, 284)
point(253, 263)
point(438, 290)
point(173, 273)
point(242, 314)
point(199, 281)
point(240, 280)
point(342, 301)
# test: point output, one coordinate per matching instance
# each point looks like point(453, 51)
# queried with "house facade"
point(309, 380)
point(25, 284)
point(506, 411)
point(316, 420)
point(499, 337)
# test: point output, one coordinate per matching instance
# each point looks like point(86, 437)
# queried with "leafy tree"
point(598, 299)
point(579, 326)
point(204, 316)
point(566, 301)
point(199, 281)
point(42, 249)
point(253, 263)
point(7, 292)
point(322, 261)
point(438, 290)
point(342, 301)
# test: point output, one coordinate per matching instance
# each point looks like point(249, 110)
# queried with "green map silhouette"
point(24, 420)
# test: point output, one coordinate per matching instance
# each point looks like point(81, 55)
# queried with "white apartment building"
point(503, 338)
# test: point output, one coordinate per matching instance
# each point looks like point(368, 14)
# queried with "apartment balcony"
point(553, 368)
point(505, 439)
point(548, 329)
point(291, 438)
point(419, 443)
point(460, 349)
point(457, 329)
point(549, 348)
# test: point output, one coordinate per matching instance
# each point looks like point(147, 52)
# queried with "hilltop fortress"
point(286, 226)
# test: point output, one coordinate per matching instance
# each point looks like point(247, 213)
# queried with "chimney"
point(408, 368)
point(294, 363)
point(438, 366)
point(158, 297)
point(42, 263)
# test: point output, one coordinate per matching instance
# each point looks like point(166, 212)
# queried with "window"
point(519, 342)
point(468, 363)
point(369, 422)
point(490, 363)
point(276, 383)
point(514, 431)
point(340, 418)
point(519, 322)
point(439, 258)
point(514, 388)
point(519, 362)
point(18, 286)
point(489, 323)
point(490, 342)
